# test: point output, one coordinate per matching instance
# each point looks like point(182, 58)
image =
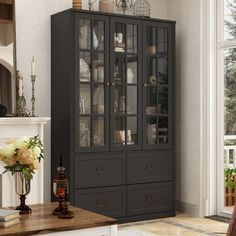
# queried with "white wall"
point(33, 35)
point(187, 13)
point(33, 38)
point(188, 101)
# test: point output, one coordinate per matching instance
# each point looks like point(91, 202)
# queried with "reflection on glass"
point(151, 100)
point(132, 40)
point(162, 68)
point(119, 99)
point(98, 67)
point(85, 34)
point(98, 35)
point(162, 42)
point(98, 131)
point(163, 130)
point(163, 100)
point(132, 70)
point(151, 130)
point(120, 38)
point(119, 68)
point(84, 132)
point(152, 70)
point(85, 67)
point(229, 19)
point(132, 135)
point(98, 100)
point(119, 132)
point(85, 99)
point(132, 100)
point(151, 40)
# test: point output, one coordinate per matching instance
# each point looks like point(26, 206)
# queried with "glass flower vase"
point(22, 188)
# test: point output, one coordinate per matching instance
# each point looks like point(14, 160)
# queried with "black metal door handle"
point(149, 167)
point(100, 203)
point(100, 170)
point(149, 198)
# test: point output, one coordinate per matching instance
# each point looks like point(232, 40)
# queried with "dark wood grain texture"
point(42, 221)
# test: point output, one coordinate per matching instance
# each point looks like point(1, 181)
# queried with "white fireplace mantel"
point(11, 127)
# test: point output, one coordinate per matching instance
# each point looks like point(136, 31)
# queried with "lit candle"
point(20, 87)
point(33, 67)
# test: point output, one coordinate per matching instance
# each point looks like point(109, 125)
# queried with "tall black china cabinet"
point(113, 112)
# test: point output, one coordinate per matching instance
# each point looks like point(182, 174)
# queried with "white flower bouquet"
point(22, 155)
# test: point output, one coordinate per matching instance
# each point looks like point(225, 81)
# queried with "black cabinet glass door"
point(157, 85)
point(92, 83)
point(125, 84)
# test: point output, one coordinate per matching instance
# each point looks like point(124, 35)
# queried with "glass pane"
point(84, 132)
point(151, 40)
point(132, 99)
point(119, 38)
point(132, 134)
point(119, 99)
point(119, 133)
point(85, 99)
point(162, 40)
point(162, 70)
point(98, 99)
point(162, 130)
point(85, 34)
point(151, 100)
point(229, 19)
point(98, 35)
point(132, 40)
point(230, 91)
point(119, 68)
point(98, 131)
point(163, 101)
point(98, 67)
point(132, 74)
point(152, 70)
point(85, 67)
point(151, 130)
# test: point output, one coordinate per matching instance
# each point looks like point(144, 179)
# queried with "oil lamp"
point(60, 186)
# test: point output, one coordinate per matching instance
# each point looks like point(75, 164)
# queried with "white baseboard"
point(187, 208)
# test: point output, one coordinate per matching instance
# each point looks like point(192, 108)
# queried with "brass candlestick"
point(33, 95)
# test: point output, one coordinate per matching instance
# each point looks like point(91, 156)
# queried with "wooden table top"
point(42, 221)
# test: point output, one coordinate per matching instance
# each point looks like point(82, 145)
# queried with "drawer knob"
point(100, 170)
point(149, 167)
point(100, 203)
point(149, 198)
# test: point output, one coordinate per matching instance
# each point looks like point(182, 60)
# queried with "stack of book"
point(119, 47)
point(9, 217)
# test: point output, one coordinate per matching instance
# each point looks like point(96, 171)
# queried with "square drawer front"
point(149, 198)
point(109, 201)
point(149, 167)
point(99, 171)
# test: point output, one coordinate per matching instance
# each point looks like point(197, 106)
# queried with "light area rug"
point(130, 232)
point(181, 225)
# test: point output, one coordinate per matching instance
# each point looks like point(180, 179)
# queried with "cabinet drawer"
point(149, 198)
point(147, 167)
point(108, 201)
point(100, 171)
